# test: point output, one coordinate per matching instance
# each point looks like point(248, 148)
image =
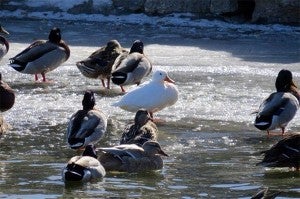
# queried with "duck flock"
point(139, 149)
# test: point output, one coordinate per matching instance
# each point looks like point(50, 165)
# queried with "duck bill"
point(163, 153)
point(2, 30)
point(168, 79)
point(293, 84)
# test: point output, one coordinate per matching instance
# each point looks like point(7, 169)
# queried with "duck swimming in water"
point(141, 131)
point(4, 45)
point(99, 63)
point(132, 158)
point(280, 107)
point(83, 168)
point(86, 126)
point(42, 56)
point(286, 153)
point(130, 68)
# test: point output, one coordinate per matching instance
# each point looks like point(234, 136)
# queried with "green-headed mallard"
point(83, 168)
point(42, 56)
point(130, 68)
point(86, 126)
point(280, 107)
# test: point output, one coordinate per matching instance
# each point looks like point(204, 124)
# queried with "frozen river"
point(209, 134)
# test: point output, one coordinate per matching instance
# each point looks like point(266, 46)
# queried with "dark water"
point(208, 133)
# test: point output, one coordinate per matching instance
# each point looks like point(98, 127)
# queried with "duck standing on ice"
point(280, 107)
point(42, 56)
point(130, 68)
point(99, 63)
point(154, 96)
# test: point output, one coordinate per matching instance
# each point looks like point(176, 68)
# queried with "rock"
point(277, 11)
point(219, 7)
point(154, 7)
point(129, 5)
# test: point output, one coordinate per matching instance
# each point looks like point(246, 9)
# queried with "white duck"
point(83, 168)
point(86, 126)
point(42, 56)
point(154, 96)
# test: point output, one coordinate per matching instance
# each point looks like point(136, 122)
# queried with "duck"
point(99, 63)
point(83, 168)
point(86, 126)
point(7, 96)
point(266, 194)
point(4, 45)
point(285, 153)
point(130, 68)
point(42, 56)
point(279, 108)
point(153, 96)
point(132, 158)
point(141, 131)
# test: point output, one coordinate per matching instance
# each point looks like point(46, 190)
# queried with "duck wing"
point(34, 51)
point(84, 128)
point(132, 69)
point(286, 153)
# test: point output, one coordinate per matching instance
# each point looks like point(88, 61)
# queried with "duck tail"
point(118, 78)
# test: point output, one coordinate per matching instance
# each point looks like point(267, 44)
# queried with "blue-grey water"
point(222, 77)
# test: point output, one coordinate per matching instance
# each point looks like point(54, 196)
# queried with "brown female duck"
point(286, 153)
point(141, 131)
point(132, 158)
point(99, 63)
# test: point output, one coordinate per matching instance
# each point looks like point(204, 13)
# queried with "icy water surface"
point(208, 133)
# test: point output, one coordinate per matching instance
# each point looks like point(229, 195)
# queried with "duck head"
point(284, 81)
point(142, 116)
point(54, 35)
point(161, 76)
point(88, 101)
point(137, 47)
point(153, 148)
point(2, 30)
point(113, 44)
point(90, 151)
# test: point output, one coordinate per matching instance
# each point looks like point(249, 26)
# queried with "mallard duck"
point(265, 194)
point(83, 168)
point(153, 96)
point(132, 158)
point(99, 63)
point(141, 131)
point(7, 96)
point(286, 153)
point(86, 126)
point(42, 56)
point(130, 68)
point(284, 83)
point(4, 45)
point(280, 107)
